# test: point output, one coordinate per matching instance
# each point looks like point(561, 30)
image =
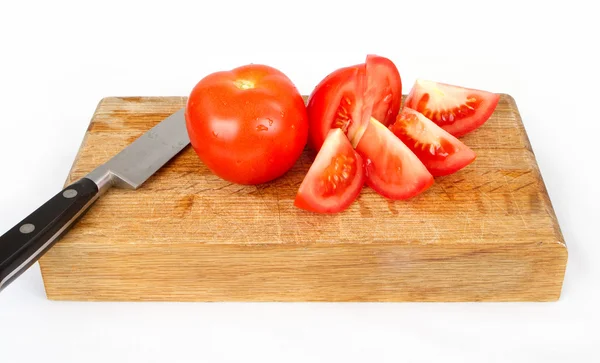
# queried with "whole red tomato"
point(248, 125)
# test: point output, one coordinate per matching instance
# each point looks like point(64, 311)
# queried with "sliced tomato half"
point(348, 97)
point(440, 152)
point(456, 109)
point(391, 168)
point(335, 178)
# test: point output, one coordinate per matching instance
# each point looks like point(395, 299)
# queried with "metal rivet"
point(70, 193)
point(27, 228)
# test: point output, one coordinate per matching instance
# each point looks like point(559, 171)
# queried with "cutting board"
point(485, 233)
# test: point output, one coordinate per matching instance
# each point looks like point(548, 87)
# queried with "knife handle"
point(26, 242)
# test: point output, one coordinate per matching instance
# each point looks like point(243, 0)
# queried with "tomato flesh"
point(440, 152)
point(334, 179)
point(391, 168)
point(348, 97)
point(247, 125)
point(456, 109)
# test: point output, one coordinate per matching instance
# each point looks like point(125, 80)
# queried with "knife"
point(29, 240)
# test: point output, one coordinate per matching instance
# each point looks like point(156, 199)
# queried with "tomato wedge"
point(440, 152)
point(335, 178)
point(337, 102)
point(456, 109)
point(391, 169)
point(384, 90)
point(348, 97)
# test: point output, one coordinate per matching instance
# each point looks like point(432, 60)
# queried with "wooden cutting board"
point(486, 233)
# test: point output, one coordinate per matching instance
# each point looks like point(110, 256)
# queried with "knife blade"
point(32, 237)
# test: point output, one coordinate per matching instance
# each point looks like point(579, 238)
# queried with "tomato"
point(391, 168)
point(348, 97)
point(335, 178)
point(248, 125)
point(384, 89)
point(456, 109)
point(440, 152)
point(336, 102)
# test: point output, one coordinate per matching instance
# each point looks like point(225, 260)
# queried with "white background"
point(59, 58)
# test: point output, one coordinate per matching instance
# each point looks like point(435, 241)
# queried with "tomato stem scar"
point(244, 84)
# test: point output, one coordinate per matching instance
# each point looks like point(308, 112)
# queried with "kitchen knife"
point(26, 242)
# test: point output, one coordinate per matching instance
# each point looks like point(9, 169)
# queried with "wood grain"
point(486, 233)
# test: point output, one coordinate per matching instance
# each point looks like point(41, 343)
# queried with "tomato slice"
point(335, 178)
point(440, 152)
point(391, 169)
point(456, 109)
point(384, 89)
point(337, 102)
point(348, 97)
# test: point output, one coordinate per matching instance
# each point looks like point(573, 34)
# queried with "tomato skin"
point(335, 178)
point(440, 152)
point(248, 125)
point(354, 94)
point(458, 110)
point(391, 168)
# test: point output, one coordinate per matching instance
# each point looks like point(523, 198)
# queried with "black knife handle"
point(26, 242)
